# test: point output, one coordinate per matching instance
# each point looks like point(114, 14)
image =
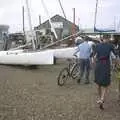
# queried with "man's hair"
point(106, 36)
point(86, 38)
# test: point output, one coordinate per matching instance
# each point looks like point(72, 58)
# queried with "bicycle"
point(71, 71)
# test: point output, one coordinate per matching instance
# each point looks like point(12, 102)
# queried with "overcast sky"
point(108, 12)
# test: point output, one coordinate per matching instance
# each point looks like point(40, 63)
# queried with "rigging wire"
point(62, 9)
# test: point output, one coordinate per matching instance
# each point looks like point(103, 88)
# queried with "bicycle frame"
point(71, 65)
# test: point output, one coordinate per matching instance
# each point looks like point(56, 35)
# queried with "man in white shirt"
point(84, 50)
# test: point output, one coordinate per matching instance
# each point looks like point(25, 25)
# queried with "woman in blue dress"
point(102, 68)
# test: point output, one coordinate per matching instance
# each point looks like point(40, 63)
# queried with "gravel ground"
point(33, 94)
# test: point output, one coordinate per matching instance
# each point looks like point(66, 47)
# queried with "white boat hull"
point(19, 57)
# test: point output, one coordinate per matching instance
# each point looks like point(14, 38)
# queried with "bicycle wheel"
point(63, 76)
point(75, 71)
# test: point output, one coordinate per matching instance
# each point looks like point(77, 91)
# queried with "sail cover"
point(103, 30)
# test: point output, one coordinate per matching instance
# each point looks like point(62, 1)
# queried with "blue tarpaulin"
point(103, 30)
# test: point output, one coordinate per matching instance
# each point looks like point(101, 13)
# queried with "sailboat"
point(20, 56)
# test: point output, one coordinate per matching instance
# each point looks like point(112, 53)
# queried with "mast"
point(95, 14)
point(118, 26)
point(52, 28)
point(30, 25)
point(39, 20)
point(23, 19)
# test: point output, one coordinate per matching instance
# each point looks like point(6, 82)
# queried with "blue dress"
point(102, 69)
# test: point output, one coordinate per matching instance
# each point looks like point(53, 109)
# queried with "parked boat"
point(21, 57)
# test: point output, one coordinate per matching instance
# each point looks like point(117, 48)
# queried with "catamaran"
point(21, 56)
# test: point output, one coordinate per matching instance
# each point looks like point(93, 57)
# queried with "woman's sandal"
point(100, 102)
point(101, 106)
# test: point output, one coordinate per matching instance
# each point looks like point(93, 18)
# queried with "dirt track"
point(33, 94)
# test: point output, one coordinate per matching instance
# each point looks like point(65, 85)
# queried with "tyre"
point(75, 71)
point(63, 76)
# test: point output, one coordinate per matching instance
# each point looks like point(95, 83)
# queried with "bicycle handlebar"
point(75, 56)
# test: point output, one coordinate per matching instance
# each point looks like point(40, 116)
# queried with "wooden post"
point(73, 25)
point(73, 28)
